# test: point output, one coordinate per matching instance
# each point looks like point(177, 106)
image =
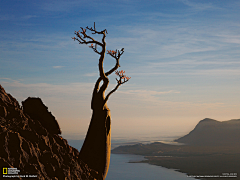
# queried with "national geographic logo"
point(5, 170)
point(13, 173)
point(10, 171)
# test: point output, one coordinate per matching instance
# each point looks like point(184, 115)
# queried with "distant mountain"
point(211, 148)
point(212, 132)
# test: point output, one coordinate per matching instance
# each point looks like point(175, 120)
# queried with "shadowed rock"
point(35, 149)
point(35, 108)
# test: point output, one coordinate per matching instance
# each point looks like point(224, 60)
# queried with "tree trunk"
point(96, 148)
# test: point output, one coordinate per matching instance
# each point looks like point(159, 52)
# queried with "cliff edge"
point(30, 142)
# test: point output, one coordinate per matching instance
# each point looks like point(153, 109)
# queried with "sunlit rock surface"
point(29, 141)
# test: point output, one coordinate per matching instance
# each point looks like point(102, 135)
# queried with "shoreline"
point(200, 162)
point(121, 168)
point(194, 174)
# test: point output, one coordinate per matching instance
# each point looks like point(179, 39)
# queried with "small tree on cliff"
point(96, 148)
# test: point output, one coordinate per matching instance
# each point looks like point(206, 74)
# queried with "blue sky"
point(182, 57)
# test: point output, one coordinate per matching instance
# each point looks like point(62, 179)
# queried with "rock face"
point(212, 132)
point(35, 108)
point(29, 141)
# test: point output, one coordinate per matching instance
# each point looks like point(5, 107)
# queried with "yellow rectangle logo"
point(4, 170)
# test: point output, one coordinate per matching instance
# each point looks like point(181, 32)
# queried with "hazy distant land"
point(212, 148)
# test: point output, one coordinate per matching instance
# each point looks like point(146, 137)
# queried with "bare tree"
point(96, 148)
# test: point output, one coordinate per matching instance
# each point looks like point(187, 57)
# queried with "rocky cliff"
point(212, 132)
point(30, 142)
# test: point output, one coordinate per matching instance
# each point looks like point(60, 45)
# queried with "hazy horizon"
point(182, 57)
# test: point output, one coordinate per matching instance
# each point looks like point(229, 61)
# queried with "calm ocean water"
point(121, 169)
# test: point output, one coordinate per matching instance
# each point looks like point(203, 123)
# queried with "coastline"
point(194, 161)
point(120, 168)
point(200, 162)
point(200, 167)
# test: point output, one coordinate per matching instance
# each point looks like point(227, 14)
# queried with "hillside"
point(212, 132)
point(211, 150)
point(30, 142)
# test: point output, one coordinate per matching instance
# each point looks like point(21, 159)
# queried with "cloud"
point(91, 74)
point(58, 67)
point(7, 17)
point(61, 6)
point(33, 43)
point(148, 97)
point(48, 91)
point(26, 17)
point(164, 42)
point(161, 103)
point(179, 48)
point(11, 17)
point(208, 63)
point(77, 95)
point(229, 37)
point(149, 92)
point(70, 104)
point(197, 6)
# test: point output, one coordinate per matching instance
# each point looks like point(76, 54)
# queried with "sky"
point(182, 57)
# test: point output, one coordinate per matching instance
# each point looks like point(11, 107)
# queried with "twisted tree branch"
point(83, 38)
point(116, 55)
point(122, 79)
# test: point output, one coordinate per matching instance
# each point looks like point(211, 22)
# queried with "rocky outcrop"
point(35, 108)
point(211, 132)
point(29, 141)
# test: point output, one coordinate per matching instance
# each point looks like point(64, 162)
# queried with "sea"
point(124, 166)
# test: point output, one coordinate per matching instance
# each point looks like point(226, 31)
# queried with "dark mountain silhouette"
point(29, 141)
point(212, 132)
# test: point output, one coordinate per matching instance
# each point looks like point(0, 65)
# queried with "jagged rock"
point(27, 144)
point(35, 108)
